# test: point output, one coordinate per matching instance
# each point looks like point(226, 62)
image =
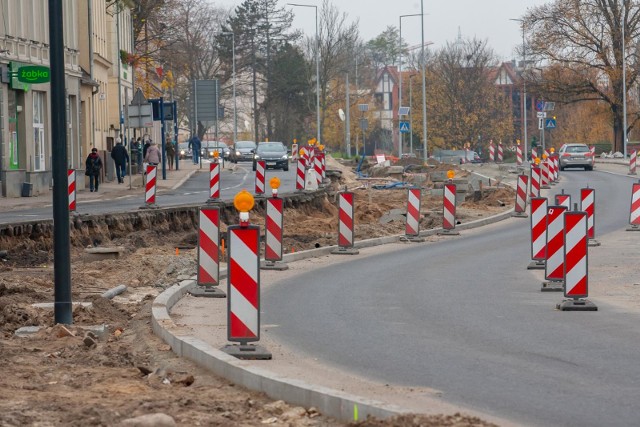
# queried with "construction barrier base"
point(274, 265)
point(150, 206)
point(593, 242)
point(633, 228)
point(345, 251)
point(552, 287)
point(207, 292)
point(448, 233)
point(520, 215)
point(536, 265)
point(247, 351)
point(412, 239)
point(576, 305)
point(214, 202)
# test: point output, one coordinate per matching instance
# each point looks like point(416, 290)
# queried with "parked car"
point(274, 154)
point(242, 151)
point(576, 155)
point(183, 151)
point(210, 147)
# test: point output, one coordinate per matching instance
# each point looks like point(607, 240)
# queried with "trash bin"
point(27, 189)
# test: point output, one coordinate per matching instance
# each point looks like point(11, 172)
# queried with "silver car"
point(576, 155)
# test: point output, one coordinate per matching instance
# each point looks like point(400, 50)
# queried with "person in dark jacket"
point(145, 147)
point(195, 145)
point(121, 158)
point(93, 166)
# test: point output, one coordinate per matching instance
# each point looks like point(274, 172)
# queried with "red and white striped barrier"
point(449, 211)
point(518, 155)
point(554, 251)
point(632, 162)
point(150, 186)
point(274, 226)
point(324, 165)
point(563, 200)
point(552, 172)
point(500, 152)
point(261, 167)
point(208, 273)
point(634, 215)
point(576, 264)
point(214, 180)
point(294, 152)
point(588, 205)
point(534, 153)
point(243, 322)
point(544, 176)
point(317, 166)
point(521, 197)
point(535, 182)
point(545, 153)
point(301, 174)
point(71, 189)
point(538, 232)
point(492, 152)
point(412, 225)
point(346, 224)
point(556, 168)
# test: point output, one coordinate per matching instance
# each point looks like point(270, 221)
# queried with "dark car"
point(274, 154)
point(242, 151)
point(210, 147)
point(576, 155)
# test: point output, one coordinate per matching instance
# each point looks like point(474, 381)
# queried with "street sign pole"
point(164, 138)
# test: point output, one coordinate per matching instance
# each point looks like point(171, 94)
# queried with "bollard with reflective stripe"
point(300, 174)
point(544, 176)
point(492, 152)
point(150, 187)
point(214, 180)
point(449, 211)
point(552, 171)
point(563, 200)
point(294, 152)
point(500, 152)
point(554, 249)
point(261, 167)
point(535, 182)
point(538, 225)
point(556, 168)
point(576, 264)
point(346, 226)
point(324, 165)
point(208, 276)
point(634, 216)
point(534, 153)
point(71, 189)
point(632, 162)
point(518, 155)
point(274, 223)
point(588, 205)
point(412, 225)
point(521, 197)
point(317, 167)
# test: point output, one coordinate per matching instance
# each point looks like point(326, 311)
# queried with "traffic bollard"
point(576, 266)
point(544, 176)
point(294, 152)
point(150, 188)
point(261, 168)
point(634, 215)
point(500, 152)
point(346, 226)
point(71, 189)
point(534, 153)
point(214, 181)
point(300, 174)
point(208, 277)
point(563, 200)
point(273, 230)
point(554, 250)
point(412, 225)
point(492, 152)
point(556, 168)
point(449, 211)
point(632, 163)
point(535, 182)
point(317, 167)
point(588, 205)
point(538, 226)
point(520, 210)
point(518, 155)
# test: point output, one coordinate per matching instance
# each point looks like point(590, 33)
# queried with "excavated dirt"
point(65, 376)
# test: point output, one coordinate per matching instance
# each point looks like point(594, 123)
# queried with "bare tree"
point(581, 43)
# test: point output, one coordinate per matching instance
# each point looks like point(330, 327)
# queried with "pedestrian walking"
point(93, 166)
point(195, 145)
point(121, 158)
point(145, 146)
point(153, 156)
point(170, 151)
point(136, 152)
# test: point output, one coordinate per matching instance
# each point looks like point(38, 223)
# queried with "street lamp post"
point(317, 67)
point(411, 115)
point(400, 83)
point(624, 86)
point(524, 89)
point(423, 65)
point(233, 76)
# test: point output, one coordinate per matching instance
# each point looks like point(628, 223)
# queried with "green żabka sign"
point(34, 74)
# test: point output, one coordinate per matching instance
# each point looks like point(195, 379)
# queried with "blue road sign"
point(550, 123)
point(540, 105)
point(405, 127)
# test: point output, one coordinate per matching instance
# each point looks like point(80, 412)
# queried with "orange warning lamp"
point(243, 202)
point(321, 147)
point(216, 154)
point(275, 184)
point(518, 141)
point(544, 156)
point(295, 141)
point(312, 141)
point(537, 161)
point(553, 150)
point(302, 152)
point(451, 174)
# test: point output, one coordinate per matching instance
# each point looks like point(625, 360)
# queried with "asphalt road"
point(465, 317)
point(193, 192)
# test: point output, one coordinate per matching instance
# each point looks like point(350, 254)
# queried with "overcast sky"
point(484, 19)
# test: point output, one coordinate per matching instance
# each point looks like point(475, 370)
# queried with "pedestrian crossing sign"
point(405, 127)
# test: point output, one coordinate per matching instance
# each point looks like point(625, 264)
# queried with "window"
point(38, 131)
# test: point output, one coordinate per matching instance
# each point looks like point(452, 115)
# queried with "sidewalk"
point(110, 190)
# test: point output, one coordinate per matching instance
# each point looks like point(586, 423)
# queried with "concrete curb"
point(329, 402)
